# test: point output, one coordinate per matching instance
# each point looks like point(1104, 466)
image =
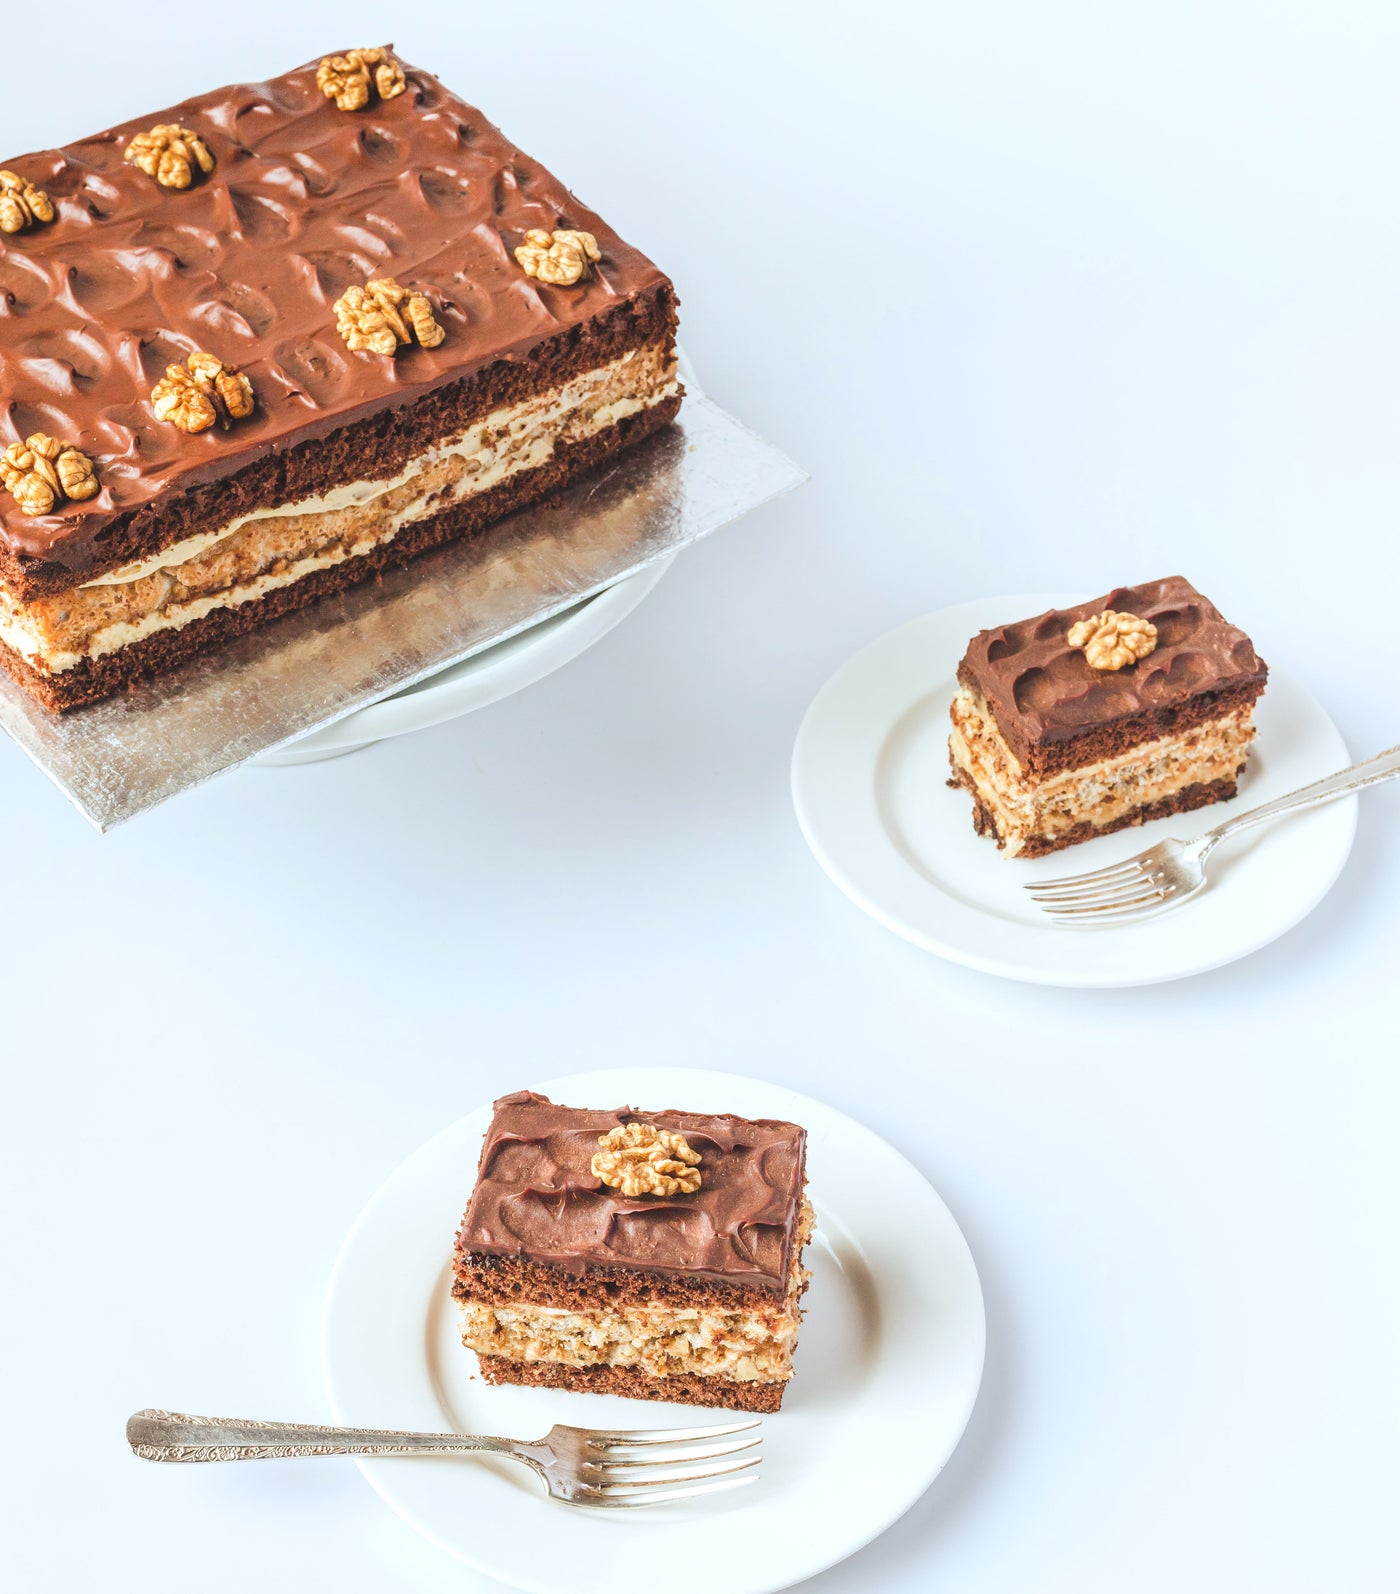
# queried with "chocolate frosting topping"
point(304, 200)
point(1042, 691)
point(536, 1196)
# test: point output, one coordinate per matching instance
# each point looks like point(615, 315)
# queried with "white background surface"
point(1045, 297)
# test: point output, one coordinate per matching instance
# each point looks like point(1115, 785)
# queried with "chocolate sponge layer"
point(518, 1281)
point(635, 1385)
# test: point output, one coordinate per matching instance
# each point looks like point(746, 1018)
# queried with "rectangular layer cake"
point(655, 1255)
point(263, 344)
point(1082, 721)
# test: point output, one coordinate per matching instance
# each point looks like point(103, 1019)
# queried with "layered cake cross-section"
point(654, 1255)
point(267, 342)
point(1082, 721)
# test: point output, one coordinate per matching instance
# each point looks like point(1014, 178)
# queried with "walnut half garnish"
point(203, 390)
point(346, 78)
point(22, 203)
point(559, 258)
point(1110, 640)
point(42, 471)
point(170, 153)
point(640, 1159)
point(382, 315)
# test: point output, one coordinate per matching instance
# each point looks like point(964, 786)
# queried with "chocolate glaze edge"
point(1042, 692)
point(536, 1198)
point(304, 199)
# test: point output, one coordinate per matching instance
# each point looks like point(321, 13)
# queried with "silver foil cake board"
point(116, 759)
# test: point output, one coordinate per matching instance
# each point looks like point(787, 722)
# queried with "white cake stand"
point(484, 678)
point(487, 676)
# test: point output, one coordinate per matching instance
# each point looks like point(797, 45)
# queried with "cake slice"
point(265, 343)
point(654, 1255)
point(1082, 721)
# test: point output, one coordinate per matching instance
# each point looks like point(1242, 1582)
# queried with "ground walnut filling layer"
point(255, 554)
point(749, 1346)
point(1102, 794)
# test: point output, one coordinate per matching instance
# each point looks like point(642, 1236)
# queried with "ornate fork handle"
point(171, 1436)
point(1371, 772)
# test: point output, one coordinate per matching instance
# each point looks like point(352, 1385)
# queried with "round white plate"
point(888, 1366)
point(869, 781)
point(484, 678)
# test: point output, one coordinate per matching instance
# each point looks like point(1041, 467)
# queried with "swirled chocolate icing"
point(536, 1197)
point(304, 200)
point(1043, 692)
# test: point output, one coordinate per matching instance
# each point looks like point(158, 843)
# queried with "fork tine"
point(1101, 877)
point(1101, 893)
point(1095, 905)
point(669, 1436)
point(1146, 911)
point(1113, 912)
point(663, 1496)
point(1089, 877)
point(1070, 882)
point(720, 1470)
point(693, 1453)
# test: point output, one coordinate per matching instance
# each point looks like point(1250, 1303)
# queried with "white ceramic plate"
point(869, 781)
point(484, 678)
point(887, 1368)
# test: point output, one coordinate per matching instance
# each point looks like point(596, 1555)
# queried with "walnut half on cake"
point(653, 1255)
point(1083, 721)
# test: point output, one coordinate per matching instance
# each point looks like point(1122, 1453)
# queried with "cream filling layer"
point(1098, 793)
point(507, 441)
point(740, 1346)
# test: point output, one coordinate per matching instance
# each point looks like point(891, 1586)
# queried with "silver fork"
point(1172, 871)
point(582, 1466)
